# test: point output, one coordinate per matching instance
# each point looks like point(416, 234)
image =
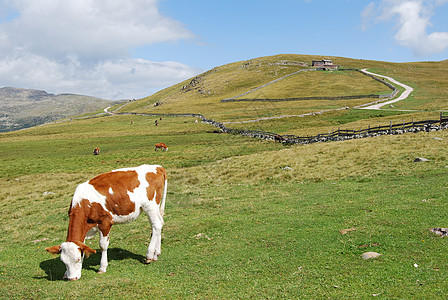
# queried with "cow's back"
point(123, 192)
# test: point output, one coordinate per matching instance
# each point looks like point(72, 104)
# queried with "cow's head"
point(72, 255)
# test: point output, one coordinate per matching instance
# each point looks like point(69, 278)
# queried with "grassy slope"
point(204, 95)
point(266, 231)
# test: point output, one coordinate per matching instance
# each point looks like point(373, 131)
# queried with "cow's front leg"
point(104, 244)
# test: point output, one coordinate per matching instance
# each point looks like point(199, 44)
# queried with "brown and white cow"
point(96, 151)
point(113, 198)
point(161, 146)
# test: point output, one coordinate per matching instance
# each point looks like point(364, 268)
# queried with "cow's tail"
point(162, 204)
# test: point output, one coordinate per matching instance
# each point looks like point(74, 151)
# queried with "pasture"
point(244, 218)
point(238, 224)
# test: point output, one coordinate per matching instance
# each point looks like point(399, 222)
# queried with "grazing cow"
point(113, 198)
point(96, 151)
point(279, 138)
point(161, 146)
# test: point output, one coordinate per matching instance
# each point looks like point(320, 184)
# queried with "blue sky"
point(125, 49)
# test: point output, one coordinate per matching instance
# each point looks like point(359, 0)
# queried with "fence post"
point(390, 126)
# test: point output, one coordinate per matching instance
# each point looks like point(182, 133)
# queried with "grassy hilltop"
point(244, 218)
point(203, 94)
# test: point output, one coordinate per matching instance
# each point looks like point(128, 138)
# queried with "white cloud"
point(367, 14)
point(141, 75)
point(412, 19)
point(82, 46)
point(89, 28)
point(121, 78)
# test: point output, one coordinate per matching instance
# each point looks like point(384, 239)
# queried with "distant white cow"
point(113, 198)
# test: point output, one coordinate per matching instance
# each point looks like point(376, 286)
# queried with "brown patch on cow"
point(121, 182)
point(85, 249)
point(83, 217)
point(162, 146)
point(156, 184)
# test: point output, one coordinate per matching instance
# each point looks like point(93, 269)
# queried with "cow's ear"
point(54, 249)
point(86, 249)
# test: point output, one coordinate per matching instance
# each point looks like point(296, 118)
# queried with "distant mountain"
point(23, 108)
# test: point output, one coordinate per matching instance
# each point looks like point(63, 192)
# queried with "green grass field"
point(238, 223)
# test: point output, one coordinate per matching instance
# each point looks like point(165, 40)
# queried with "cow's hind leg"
point(154, 248)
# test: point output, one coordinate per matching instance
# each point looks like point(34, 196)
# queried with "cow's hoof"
point(148, 261)
point(101, 272)
point(72, 279)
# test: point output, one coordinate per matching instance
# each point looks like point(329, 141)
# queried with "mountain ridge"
point(22, 108)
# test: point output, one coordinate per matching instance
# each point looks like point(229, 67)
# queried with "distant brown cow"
point(279, 138)
point(161, 146)
point(96, 151)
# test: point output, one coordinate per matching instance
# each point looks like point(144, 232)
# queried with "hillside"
point(203, 93)
point(245, 218)
point(22, 108)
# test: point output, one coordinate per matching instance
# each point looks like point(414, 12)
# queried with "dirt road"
point(403, 95)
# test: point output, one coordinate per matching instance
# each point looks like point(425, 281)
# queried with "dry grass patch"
point(321, 84)
point(361, 158)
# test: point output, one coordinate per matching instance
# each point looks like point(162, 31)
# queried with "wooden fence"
point(336, 135)
point(344, 134)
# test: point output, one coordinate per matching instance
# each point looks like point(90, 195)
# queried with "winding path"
point(403, 95)
point(376, 106)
